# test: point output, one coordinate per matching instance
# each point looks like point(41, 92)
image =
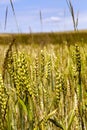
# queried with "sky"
point(55, 16)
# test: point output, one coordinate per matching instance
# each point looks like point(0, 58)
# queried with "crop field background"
point(43, 82)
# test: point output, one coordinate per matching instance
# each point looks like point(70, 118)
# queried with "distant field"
point(45, 38)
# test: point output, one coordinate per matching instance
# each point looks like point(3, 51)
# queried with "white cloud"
point(55, 19)
point(52, 19)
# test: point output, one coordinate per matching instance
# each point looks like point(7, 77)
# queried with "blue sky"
point(55, 15)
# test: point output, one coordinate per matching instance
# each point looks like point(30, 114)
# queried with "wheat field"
point(44, 87)
point(43, 79)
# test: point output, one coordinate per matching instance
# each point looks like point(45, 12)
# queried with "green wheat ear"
point(23, 77)
point(78, 58)
point(36, 80)
point(58, 86)
point(3, 103)
point(7, 59)
point(64, 90)
point(78, 70)
point(49, 65)
point(79, 86)
point(86, 107)
point(42, 61)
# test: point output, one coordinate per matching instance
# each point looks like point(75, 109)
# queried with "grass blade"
point(41, 21)
point(6, 14)
point(14, 14)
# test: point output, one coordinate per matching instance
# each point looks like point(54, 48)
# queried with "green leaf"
point(23, 105)
point(71, 120)
point(52, 113)
point(56, 123)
